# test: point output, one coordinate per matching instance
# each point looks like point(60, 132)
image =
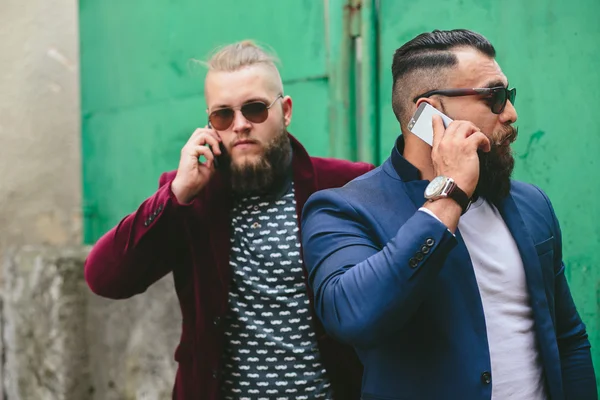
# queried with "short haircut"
point(422, 64)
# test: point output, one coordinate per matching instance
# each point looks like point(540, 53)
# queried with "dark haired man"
point(443, 273)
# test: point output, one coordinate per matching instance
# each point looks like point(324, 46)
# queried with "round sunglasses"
point(498, 96)
point(255, 112)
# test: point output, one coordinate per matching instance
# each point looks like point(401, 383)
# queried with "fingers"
point(202, 136)
point(455, 154)
point(204, 151)
point(480, 141)
point(456, 130)
point(461, 129)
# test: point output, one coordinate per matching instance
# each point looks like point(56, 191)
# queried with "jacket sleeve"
point(579, 381)
point(140, 250)
point(365, 292)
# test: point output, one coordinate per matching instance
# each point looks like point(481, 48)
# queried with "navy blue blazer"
point(419, 327)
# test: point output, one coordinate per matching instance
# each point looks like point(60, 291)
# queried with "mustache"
point(509, 134)
point(247, 139)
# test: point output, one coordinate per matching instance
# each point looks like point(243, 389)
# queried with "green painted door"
point(142, 97)
point(549, 51)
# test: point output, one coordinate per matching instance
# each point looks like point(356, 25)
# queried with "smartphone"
point(217, 159)
point(421, 124)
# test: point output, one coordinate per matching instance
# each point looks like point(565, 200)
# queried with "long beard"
point(495, 169)
point(264, 174)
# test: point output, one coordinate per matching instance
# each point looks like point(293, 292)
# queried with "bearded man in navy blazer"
point(443, 273)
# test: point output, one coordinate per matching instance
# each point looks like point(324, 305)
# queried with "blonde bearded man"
point(229, 234)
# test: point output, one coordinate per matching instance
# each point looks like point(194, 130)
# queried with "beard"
point(496, 167)
point(264, 174)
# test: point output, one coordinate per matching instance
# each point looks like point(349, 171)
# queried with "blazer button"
point(413, 263)
point(424, 249)
point(146, 223)
point(486, 378)
point(430, 242)
point(160, 207)
point(419, 256)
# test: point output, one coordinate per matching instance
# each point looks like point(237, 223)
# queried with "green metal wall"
point(142, 98)
point(141, 101)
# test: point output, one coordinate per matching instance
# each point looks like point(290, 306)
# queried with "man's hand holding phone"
point(193, 175)
point(454, 152)
point(454, 155)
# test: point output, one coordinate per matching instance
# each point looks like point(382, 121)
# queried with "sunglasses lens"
point(256, 112)
point(221, 119)
point(512, 95)
point(499, 101)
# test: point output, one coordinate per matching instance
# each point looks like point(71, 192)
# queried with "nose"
point(240, 123)
point(509, 115)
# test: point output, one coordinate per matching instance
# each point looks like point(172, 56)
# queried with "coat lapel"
point(533, 272)
point(220, 234)
point(535, 282)
point(303, 175)
point(544, 327)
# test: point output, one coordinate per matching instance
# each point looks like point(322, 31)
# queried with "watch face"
point(435, 186)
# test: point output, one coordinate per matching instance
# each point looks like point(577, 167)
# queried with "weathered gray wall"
point(59, 341)
point(40, 167)
point(44, 324)
point(131, 344)
point(40, 187)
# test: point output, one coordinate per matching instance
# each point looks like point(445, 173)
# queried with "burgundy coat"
point(192, 242)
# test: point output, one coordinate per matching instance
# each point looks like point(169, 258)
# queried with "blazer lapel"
point(303, 176)
point(531, 263)
point(219, 225)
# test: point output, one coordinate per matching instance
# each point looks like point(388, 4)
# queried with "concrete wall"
point(40, 165)
point(40, 184)
point(63, 343)
point(59, 341)
point(131, 344)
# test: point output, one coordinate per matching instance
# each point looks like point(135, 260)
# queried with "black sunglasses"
point(498, 96)
point(255, 112)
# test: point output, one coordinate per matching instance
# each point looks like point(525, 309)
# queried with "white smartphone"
point(421, 124)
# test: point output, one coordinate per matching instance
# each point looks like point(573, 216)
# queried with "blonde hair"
point(243, 54)
point(238, 55)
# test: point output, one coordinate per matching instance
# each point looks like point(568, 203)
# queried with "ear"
point(428, 100)
point(287, 109)
point(433, 102)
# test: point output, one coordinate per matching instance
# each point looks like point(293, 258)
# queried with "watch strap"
point(458, 195)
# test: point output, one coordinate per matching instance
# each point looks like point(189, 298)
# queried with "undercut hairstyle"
point(246, 53)
point(423, 63)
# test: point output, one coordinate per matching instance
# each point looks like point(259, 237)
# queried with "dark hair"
point(432, 51)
